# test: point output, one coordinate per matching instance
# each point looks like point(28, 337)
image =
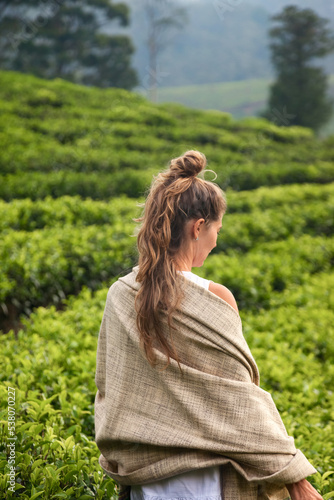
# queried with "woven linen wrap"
point(151, 425)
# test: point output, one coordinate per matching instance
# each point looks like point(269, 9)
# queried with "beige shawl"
point(151, 425)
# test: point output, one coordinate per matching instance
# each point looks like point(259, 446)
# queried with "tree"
point(300, 90)
point(162, 16)
point(64, 38)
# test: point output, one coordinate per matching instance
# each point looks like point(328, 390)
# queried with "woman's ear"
point(197, 226)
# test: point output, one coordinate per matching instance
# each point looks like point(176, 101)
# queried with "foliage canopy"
point(64, 38)
point(300, 37)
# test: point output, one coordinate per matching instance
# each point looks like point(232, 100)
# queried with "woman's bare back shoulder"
point(224, 293)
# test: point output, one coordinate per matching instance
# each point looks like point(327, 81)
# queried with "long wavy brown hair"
point(176, 195)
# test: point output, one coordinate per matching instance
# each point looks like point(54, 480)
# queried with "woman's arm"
point(303, 490)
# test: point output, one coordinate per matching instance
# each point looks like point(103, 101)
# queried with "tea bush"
point(28, 215)
point(55, 449)
point(68, 243)
point(46, 130)
point(69, 156)
point(56, 456)
point(44, 266)
point(296, 205)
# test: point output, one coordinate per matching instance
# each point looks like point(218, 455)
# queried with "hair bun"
point(189, 164)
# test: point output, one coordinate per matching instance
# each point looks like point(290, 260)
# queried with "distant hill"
point(240, 98)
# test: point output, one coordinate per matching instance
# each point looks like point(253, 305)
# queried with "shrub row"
point(244, 232)
point(39, 185)
point(42, 267)
point(110, 146)
point(241, 231)
point(278, 196)
point(272, 267)
point(107, 146)
point(246, 177)
point(28, 215)
point(134, 182)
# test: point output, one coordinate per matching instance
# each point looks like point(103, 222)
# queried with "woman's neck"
point(183, 264)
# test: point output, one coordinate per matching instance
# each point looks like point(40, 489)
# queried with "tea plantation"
point(75, 164)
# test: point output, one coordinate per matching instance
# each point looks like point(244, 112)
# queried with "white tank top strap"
point(196, 279)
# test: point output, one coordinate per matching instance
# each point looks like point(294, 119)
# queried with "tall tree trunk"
point(152, 91)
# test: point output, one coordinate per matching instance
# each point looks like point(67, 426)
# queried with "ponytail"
point(176, 195)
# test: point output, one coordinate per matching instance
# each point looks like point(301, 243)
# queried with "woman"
point(237, 444)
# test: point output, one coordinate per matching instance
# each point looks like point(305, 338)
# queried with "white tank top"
point(196, 279)
point(200, 484)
